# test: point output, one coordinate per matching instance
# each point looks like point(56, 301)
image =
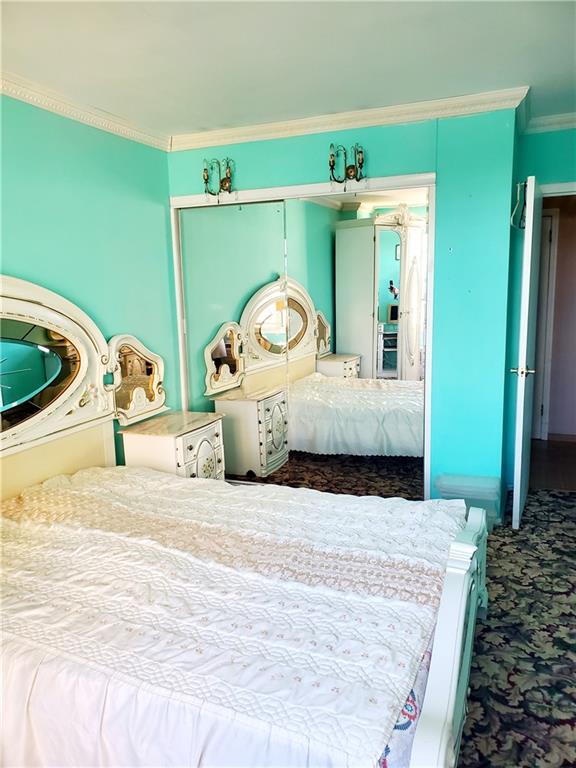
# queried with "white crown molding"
point(25, 90)
point(490, 101)
point(551, 123)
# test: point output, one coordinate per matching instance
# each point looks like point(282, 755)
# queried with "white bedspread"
point(153, 620)
point(361, 417)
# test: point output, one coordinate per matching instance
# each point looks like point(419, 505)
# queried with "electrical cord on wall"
point(522, 220)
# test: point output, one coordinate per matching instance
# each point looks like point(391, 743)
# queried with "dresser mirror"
point(270, 327)
point(138, 380)
point(223, 359)
point(36, 367)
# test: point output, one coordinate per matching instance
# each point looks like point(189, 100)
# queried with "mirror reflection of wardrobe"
point(380, 294)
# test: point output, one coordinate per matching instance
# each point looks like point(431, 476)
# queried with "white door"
point(355, 286)
point(527, 347)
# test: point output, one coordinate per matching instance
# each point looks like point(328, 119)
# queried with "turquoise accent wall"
point(228, 253)
point(85, 214)
point(391, 150)
point(310, 239)
point(551, 157)
point(472, 157)
point(475, 159)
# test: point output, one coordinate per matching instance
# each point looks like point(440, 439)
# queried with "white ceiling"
point(181, 67)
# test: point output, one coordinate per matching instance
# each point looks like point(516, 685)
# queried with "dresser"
point(344, 365)
point(185, 443)
point(255, 431)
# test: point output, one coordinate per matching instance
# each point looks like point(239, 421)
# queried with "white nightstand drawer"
point(351, 369)
point(209, 463)
point(189, 446)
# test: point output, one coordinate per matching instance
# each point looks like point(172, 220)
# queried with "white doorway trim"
point(545, 327)
point(269, 194)
point(558, 190)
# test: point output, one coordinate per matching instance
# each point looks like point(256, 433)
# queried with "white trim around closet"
point(269, 194)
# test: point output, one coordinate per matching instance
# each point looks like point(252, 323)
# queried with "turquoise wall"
point(472, 157)
point(228, 253)
point(310, 238)
point(85, 214)
point(551, 157)
point(475, 158)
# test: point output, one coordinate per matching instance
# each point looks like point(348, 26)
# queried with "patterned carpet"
point(357, 475)
point(523, 682)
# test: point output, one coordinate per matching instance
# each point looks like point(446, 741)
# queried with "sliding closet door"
point(228, 253)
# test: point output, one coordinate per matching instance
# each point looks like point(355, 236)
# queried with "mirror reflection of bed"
point(340, 339)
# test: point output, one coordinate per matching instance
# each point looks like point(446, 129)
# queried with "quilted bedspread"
point(360, 417)
point(154, 620)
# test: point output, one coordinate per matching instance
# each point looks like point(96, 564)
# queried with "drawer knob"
point(216, 434)
point(267, 410)
point(190, 447)
point(283, 402)
point(193, 474)
point(269, 453)
point(219, 461)
point(269, 431)
point(285, 442)
point(285, 423)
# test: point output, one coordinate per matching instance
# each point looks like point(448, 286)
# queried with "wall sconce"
point(351, 170)
point(213, 168)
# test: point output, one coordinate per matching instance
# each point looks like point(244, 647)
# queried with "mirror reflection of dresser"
point(255, 431)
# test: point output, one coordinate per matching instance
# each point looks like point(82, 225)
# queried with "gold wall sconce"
point(212, 171)
point(339, 156)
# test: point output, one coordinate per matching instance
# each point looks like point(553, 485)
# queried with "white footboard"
point(439, 730)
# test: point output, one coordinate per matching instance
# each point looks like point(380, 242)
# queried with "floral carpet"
point(356, 475)
point(522, 706)
point(523, 682)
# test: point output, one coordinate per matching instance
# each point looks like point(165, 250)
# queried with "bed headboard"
point(280, 334)
point(62, 385)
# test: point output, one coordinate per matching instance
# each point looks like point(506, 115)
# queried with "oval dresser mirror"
point(270, 327)
point(36, 366)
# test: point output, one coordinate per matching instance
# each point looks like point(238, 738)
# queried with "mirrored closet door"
point(356, 407)
point(236, 308)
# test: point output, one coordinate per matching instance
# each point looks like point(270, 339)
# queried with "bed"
point(361, 417)
point(150, 619)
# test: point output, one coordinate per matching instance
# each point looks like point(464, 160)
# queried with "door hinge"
point(542, 410)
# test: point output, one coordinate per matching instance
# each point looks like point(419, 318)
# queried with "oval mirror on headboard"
point(36, 367)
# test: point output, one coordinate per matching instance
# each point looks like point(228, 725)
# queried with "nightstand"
point(339, 365)
point(185, 443)
point(256, 429)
